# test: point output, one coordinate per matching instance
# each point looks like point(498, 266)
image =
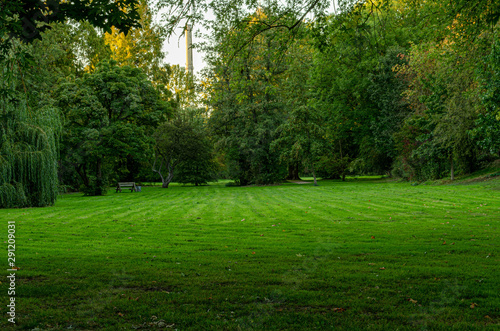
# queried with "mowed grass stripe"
point(188, 259)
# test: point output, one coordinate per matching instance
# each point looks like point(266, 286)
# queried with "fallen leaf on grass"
point(338, 310)
point(412, 301)
point(373, 237)
point(120, 314)
point(473, 305)
point(382, 268)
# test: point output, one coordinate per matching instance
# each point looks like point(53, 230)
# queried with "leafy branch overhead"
point(27, 19)
point(472, 15)
point(232, 16)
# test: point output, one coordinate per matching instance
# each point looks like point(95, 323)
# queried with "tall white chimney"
point(189, 50)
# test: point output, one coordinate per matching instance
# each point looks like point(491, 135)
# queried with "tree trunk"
point(342, 161)
point(314, 175)
point(82, 172)
point(164, 181)
point(293, 171)
point(170, 176)
point(99, 190)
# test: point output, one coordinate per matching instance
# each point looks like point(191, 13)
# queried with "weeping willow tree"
point(28, 144)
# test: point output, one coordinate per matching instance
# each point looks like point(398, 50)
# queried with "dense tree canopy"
point(183, 151)
point(380, 79)
point(30, 126)
point(27, 19)
point(109, 116)
point(246, 98)
point(28, 154)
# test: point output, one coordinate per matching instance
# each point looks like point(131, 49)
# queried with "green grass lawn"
point(362, 254)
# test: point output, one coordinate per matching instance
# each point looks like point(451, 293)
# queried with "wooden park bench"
point(131, 185)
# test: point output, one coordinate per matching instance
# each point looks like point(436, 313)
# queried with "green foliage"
point(142, 47)
point(393, 83)
point(301, 137)
point(109, 115)
point(199, 166)
point(27, 19)
point(183, 150)
point(234, 14)
point(245, 89)
point(488, 122)
point(182, 87)
point(28, 154)
point(467, 19)
point(487, 132)
point(355, 90)
point(385, 91)
point(442, 94)
point(30, 124)
point(28, 157)
point(29, 134)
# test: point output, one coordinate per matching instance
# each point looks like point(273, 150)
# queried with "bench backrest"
point(126, 184)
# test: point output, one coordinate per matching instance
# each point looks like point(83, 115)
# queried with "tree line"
point(406, 88)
